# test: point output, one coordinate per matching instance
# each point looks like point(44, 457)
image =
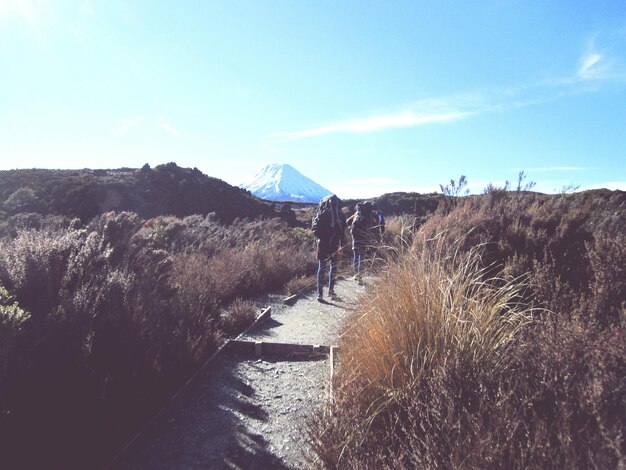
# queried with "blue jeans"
point(321, 267)
point(356, 262)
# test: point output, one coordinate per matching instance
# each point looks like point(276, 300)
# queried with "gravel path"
point(241, 412)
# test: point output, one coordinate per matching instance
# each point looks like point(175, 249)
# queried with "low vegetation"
point(36, 197)
point(497, 339)
point(101, 323)
point(495, 336)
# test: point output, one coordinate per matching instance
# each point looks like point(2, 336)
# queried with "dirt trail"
point(242, 412)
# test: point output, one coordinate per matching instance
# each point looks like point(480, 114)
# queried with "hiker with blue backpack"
point(328, 225)
point(379, 221)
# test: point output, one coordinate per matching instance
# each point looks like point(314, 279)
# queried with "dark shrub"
point(239, 315)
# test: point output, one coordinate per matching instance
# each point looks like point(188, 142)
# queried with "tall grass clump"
point(240, 314)
point(429, 315)
point(428, 307)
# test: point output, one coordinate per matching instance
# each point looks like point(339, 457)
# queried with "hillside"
point(164, 190)
point(419, 205)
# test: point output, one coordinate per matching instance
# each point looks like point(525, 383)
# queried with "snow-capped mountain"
point(282, 182)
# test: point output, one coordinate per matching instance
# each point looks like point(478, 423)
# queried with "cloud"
point(595, 66)
point(602, 59)
point(375, 123)
point(169, 129)
point(126, 125)
point(589, 65)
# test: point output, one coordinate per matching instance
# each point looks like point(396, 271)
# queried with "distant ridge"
point(282, 182)
point(164, 190)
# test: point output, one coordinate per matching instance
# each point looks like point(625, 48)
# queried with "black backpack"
point(362, 220)
point(327, 217)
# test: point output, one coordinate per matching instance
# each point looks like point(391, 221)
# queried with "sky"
point(364, 97)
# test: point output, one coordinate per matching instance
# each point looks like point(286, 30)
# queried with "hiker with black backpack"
point(361, 224)
point(328, 225)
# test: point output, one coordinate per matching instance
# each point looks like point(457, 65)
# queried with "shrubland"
point(100, 323)
point(149, 192)
point(495, 337)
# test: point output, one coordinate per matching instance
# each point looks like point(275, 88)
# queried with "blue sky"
point(364, 97)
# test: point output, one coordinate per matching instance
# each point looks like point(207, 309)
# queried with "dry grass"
point(425, 313)
point(426, 307)
point(300, 284)
point(239, 315)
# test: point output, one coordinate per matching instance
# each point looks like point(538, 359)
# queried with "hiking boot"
point(332, 294)
point(320, 297)
point(359, 280)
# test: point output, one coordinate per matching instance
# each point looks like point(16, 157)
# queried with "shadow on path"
point(241, 412)
point(206, 426)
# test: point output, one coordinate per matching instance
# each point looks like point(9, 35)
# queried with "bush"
point(113, 317)
point(239, 315)
point(300, 284)
point(12, 321)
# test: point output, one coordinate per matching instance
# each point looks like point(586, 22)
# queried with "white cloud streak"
point(375, 123)
point(167, 127)
point(602, 59)
point(126, 125)
point(589, 66)
point(594, 67)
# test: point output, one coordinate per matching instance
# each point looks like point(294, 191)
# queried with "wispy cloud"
point(375, 123)
point(601, 61)
point(167, 127)
point(590, 66)
point(129, 124)
point(125, 125)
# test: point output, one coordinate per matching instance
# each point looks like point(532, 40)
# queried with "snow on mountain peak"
point(282, 182)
